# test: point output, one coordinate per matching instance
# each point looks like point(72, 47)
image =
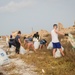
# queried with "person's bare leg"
point(41, 46)
point(31, 45)
point(28, 47)
point(46, 44)
point(33, 48)
point(61, 51)
point(54, 50)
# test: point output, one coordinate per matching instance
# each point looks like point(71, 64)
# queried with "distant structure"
point(32, 29)
point(66, 30)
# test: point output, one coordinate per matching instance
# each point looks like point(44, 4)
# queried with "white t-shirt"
point(54, 36)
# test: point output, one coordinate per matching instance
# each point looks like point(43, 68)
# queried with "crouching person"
point(29, 43)
point(43, 42)
point(18, 42)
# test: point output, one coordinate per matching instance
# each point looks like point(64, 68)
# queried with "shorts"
point(11, 43)
point(56, 45)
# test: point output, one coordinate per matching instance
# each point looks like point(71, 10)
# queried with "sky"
point(37, 14)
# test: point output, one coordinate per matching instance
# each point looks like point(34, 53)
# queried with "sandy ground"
point(21, 68)
point(16, 66)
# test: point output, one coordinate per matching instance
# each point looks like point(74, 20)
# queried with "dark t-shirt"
point(11, 40)
point(16, 39)
point(36, 36)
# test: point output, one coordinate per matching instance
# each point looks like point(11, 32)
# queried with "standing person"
point(55, 40)
point(18, 42)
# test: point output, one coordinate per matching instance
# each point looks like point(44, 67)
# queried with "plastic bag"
point(57, 53)
point(50, 46)
point(36, 45)
point(3, 58)
point(22, 50)
point(7, 40)
point(35, 39)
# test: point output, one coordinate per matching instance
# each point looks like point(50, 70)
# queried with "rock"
point(14, 33)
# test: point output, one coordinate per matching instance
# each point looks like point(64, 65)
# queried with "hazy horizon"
point(37, 14)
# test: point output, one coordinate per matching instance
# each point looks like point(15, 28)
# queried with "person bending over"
point(11, 41)
point(29, 43)
point(43, 42)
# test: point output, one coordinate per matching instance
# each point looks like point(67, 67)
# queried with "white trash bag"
point(57, 53)
point(35, 39)
point(36, 45)
point(22, 50)
point(3, 57)
point(50, 46)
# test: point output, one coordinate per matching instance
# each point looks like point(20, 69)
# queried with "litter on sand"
point(22, 50)
point(3, 57)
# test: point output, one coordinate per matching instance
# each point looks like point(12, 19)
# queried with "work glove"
point(66, 34)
